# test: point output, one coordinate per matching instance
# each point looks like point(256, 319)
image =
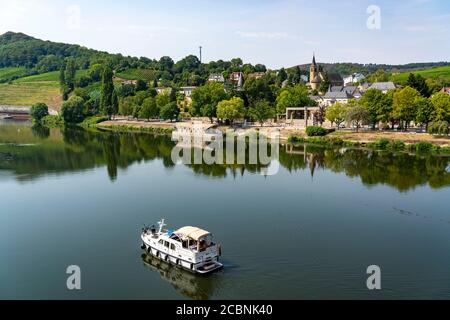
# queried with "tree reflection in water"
point(36, 152)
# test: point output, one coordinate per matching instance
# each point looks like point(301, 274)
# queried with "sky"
point(277, 33)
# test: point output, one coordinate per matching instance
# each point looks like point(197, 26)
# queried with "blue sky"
point(273, 32)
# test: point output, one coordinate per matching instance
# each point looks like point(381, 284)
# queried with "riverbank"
point(286, 132)
point(140, 126)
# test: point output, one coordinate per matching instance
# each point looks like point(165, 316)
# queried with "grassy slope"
point(137, 74)
point(33, 89)
point(441, 72)
point(7, 73)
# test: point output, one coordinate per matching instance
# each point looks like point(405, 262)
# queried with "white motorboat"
point(189, 247)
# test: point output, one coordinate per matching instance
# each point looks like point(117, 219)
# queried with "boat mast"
point(161, 225)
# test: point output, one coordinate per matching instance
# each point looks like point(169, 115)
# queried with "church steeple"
point(314, 58)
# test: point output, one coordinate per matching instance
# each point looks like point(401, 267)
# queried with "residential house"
point(446, 90)
point(341, 94)
point(187, 91)
point(216, 77)
point(256, 75)
point(304, 78)
point(383, 86)
point(163, 90)
point(129, 82)
point(237, 79)
point(354, 78)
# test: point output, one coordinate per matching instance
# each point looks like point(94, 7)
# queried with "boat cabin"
point(193, 238)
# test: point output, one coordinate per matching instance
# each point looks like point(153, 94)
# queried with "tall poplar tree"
point(106, 102)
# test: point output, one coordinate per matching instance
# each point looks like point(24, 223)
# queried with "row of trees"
point(397, 107)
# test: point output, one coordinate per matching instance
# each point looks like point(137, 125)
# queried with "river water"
point(76, 197)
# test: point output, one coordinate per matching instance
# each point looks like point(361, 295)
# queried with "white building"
point(354, 78)
point(163, 90)
point(187, 91)
point(216, 77)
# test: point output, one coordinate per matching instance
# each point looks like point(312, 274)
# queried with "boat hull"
point(199, 268)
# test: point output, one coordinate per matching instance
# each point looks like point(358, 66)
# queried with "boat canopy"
point(192, 232)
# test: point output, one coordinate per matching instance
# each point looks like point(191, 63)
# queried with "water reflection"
point(188, 284)
point(34, 152)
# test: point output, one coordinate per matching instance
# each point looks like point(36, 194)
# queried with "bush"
point(423, 147)
point(396, 145)
point(39, 111)
point(381, 144)
point(440, 127)
point(52, 122)
point(72, 111)
point(315, 131)
point(92, 121)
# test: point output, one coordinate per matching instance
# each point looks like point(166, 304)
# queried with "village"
point(317, 98)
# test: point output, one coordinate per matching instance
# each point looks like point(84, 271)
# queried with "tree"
point(358, 116)
point(337, 113)
point(205, 99)
point(162, 100)
point(258, 89)
point(424, 112)
point(405, 105)
point(418, 82)
point(231, 109)
point(149, 109)
point(70, 74)
point(371, 100)
point(281, 77)
point(39, 111)
point(95, 72)
point(170, 111)
point(325, 84)
point(141, 85)
point(441, 105)
point(261, 112)
point(106, 102)
point(115, 103)
point(72, 111)
point(293, 97)
point(379, 76)
point(296, 76)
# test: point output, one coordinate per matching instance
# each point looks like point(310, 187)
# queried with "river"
point(77, 197)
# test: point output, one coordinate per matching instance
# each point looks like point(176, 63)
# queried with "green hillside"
point(29, 93)
point(12, 72)
point(438, 72)
point(137, 74)
point(48, 76)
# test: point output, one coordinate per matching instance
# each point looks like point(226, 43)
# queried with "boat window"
point(172, 247)
point(166, 244)
point(161, 242)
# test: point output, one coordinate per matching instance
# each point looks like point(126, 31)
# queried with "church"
point(317, 76)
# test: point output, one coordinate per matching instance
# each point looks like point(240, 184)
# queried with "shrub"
point(381, 144)
point(92, 121)
point(439, 127)
point(39, 111)
point(396, 145)
point(423, 147)
point(315, 131)
point(52, 121)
